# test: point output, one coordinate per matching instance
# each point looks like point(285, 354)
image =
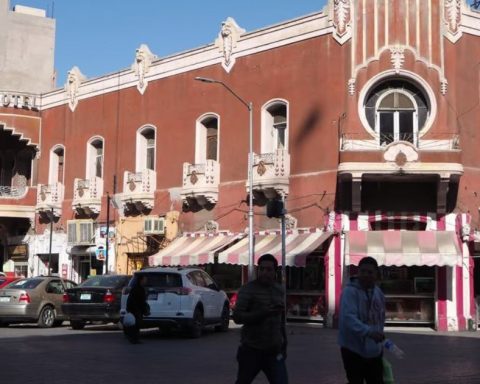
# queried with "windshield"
point(159, 280)
point(25, 284)
point(105, 281)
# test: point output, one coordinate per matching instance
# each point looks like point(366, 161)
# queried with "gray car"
point(34, 300)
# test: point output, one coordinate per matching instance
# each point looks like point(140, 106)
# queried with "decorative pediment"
point(342, 19)
point(227, 40)
point(72, 86)
point(141, 66)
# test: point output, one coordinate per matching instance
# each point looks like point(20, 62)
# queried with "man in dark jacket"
point(138, 306)
point(260, 307)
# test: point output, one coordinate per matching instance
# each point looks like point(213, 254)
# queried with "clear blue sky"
point(100, 36)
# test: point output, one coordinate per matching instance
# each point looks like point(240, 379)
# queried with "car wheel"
point(77, 324)
point(47, 317)
point(197, 326)
point(224, 320)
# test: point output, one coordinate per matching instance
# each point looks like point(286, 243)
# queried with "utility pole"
point(107, 241)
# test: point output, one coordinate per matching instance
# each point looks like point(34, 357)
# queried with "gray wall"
point(27, 44)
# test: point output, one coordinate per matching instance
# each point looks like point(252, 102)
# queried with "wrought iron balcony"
point(50, 198)
point(87, 195)
point(139, 190)
point(200, 183)
point(271, 172)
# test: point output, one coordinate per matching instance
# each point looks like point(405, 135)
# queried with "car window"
point(104, 281)
point(197, 279)
point(208, 280)
point(55, 287)
point(25, 284)
point(159, 280)
point(69, 284)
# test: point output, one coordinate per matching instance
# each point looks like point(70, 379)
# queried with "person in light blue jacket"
point(362, 317)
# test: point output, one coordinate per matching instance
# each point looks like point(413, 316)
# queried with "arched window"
point(95, 153)
point(274, 127)
point(206, 147)
point(397, 110)
point(57, 161)
point(146, 148)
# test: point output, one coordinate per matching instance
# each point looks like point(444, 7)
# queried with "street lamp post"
point(52, 216)
point(249, 106)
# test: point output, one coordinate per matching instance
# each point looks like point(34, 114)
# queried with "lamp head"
point(206, 80)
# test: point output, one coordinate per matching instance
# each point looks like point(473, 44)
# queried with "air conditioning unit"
point(80, 232)
point(154, 226)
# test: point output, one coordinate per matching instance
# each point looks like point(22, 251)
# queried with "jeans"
point(251, 361)
point(360, 369)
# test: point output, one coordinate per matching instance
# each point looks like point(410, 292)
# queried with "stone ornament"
point(141, 66)
point(211, 226)
point(342, 18)
point(227, 40)
point(290, 222)
point(452, 14)
point(400, 153)
point(74, 80)
point(397, 58)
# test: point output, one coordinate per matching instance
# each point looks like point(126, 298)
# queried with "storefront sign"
point(25, 101)
point(18, 252)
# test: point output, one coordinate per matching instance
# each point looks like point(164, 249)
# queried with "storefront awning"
point(298, 247)
point(430, 248)
point(192, 250)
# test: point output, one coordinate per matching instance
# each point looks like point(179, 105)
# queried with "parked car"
point(34, 300)
point(5, 280)
point(96, 299)
point(185, 298)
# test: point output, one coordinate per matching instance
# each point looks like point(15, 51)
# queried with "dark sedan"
point(95, 300)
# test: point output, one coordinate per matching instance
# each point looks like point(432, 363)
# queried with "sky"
point(100, 36)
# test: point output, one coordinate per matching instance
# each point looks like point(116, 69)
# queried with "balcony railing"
point(433, 142)
point(139, 189)
point(200, 183)
point(7, 192)
point(50, 197)
point(271, 172)
point(87, 195)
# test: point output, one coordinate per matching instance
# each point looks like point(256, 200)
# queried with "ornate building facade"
point(364, 120)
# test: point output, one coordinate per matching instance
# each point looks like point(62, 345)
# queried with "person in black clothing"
point(137, 305)
point(260, 307)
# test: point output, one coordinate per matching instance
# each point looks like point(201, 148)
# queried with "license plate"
point(85, 296)
point(5, 299)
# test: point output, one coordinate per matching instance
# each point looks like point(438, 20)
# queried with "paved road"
point(100, 355)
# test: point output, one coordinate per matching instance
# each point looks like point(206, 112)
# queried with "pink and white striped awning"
point(298, 247)
point(192, 249)
point(404, 247)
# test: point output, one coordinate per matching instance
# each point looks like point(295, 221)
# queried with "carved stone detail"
point(351, 86)
point(400, 153)
point(453, 14)
point(397, 57)
point(290, 222)
point(141, 66)
point(443, 86)
point(227, 40)
point(74, 80)
point(261, 168)
point(211, 226)
point(342, 18)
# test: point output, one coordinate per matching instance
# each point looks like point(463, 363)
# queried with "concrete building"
point(364, 120)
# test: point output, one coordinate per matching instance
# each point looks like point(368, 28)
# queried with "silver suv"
point(186, 298)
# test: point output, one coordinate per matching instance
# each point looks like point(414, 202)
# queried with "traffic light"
point(275, 208)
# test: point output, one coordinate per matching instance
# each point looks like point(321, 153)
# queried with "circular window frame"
point(417, 81)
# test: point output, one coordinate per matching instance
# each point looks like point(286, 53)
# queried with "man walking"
point(260, 307)
point(362, 317)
